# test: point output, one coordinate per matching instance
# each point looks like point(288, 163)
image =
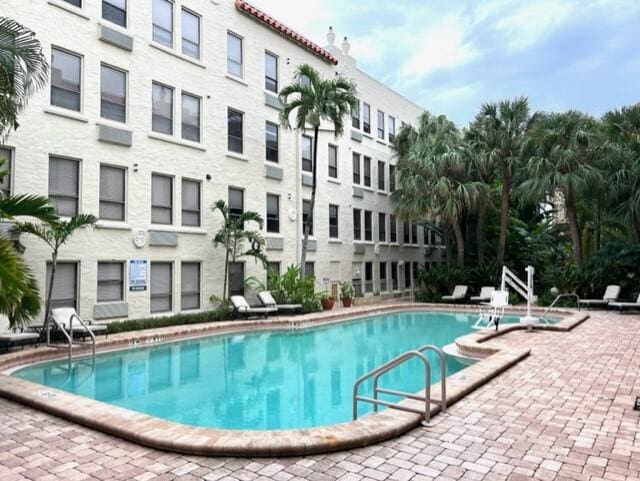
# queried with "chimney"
point(331, 36)
point(345, 46)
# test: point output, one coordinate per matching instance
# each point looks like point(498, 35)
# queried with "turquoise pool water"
point(260, 380)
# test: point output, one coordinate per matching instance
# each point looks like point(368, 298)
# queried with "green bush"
point(292, 288)
point(176, 320)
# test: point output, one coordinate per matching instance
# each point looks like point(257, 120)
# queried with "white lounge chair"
point(485, 294)
point(63, 317)
point(13, 339)
point(626, 305)
point(242, 307)
point(610, 295)
point(267, 300)
point(459, 294)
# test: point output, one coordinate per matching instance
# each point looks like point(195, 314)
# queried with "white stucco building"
point(157, 109)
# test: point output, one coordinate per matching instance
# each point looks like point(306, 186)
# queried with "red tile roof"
point(268, 20)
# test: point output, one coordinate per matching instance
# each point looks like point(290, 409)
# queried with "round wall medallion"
point(292, 215)
point(139, 238)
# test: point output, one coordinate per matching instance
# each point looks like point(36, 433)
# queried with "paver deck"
point(563, 413)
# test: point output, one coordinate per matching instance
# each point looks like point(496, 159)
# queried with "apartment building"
point(158, 108)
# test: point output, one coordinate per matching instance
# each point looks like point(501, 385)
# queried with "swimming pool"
point(276, 379)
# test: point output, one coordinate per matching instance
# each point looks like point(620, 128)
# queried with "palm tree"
point(433, 179)
point(23, 71)
point(563, 156)
point(503, 130)
point(56, 234)
point(233, 236)
point(315, 99)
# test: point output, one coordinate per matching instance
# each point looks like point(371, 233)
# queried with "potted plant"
point(327, 302)
point(347, 293)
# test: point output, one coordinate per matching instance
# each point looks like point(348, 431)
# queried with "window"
point(414, 270)
point(309, 269)
point(161, 199)
point(235, 131)
point(190, 34)
point(273, 213)
point(271, 72)
point(161, 291)
point(234, 54)
point(115, 11)
point(393, 229)
point(236, 278)
point(307, 154)
point(383, 277)
point(110, 281)
point(355, 116)
point(190, 286)
point(236, 202)
point(5, 169)
point(407, 275)
point(162, 115)
point(357, 224)
point(405, 232)
point(367, 171)
point(368, 234)
point(75, 3)
point(190, 203)
point(394, 276)
point(65, 79)
point(65, 285)
point(333, 161)
point(163, 22)
point(392, 128)
point(64, 185)
point(112, 193)
point(381, 180)
point(414, 233)
point(380, 125)
point(366, 118)
point(273, 270)
point(392, 178)
point(382, 227)
point(356, 168)
point(271, 141)
point(113, 94)
point(333, 221)
point(306, 216)
point(190, 117)
point(368, 277)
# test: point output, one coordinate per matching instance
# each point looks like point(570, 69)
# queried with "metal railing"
point(558, 297)
point(393, 363)
point(69, 335)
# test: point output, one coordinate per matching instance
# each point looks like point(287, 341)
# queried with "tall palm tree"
point(433, 179)
point(233, 236)
point(313, 100)
point(23, 71)
point(56, 234)
point(563, 149)
point(503, 131)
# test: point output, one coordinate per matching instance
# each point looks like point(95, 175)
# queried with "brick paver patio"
point(564, 413)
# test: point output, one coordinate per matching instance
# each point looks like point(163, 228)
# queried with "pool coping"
point(172, 436)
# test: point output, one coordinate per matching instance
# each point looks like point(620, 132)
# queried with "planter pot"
point(346, 302)
point(327, 303)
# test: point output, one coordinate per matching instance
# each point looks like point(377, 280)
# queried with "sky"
point(451, 56)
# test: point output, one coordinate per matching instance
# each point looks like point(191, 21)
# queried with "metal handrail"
point(558, 297)
point(69, 335)
point(86, 328)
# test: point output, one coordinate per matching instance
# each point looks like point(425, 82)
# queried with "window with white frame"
point(162, 109)
point(273, 213)
point(64, 185)
point(190, 34)
point(366, 117)
point(392, 178)
point(65, 285)
point(414, 233)
point(5, 171)
point(394, 276)
point(113, 94)
point(383, 276)
point(66, 79)
point(357, 224)
point(161, 199)
point(355, 116)
point(332, 161)
point(380, 124)
point(306, 216)
point(356, 168)
point(234, 55)
point(368, 228)
point(163, 22)
point(236, 278)
point(161, 290)
point(236, 202)
point(110, 281)
point(381, 176)
point(190, 286)
point(112, 193)
point(307, 153)
point(235, 120)
point(271, 72)
point(382, 227)
point(271, 141)
point(115, 11)
point(75, 3)
point(392, 128)
point(333, 221)
point(368, 277)
point(191, 203)
point(367, 171)
point(393, 228)
point(191, 117)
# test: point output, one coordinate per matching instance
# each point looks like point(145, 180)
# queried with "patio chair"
point(626, 305)
point(459, 294)
point(63, 316)
point(485, 294)
point(267, 300)
point(13, 339)
point(242, 307)
point(610, 295)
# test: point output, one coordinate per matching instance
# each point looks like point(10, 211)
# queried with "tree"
point(503, 127)
point(433, 179)
point(233, 236)
point(23, 71)
point(56, 234)
point(563, 156)
point(314, 99)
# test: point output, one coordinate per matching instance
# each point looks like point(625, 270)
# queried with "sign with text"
point(138, 273)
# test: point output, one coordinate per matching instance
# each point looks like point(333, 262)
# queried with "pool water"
point(274, 379)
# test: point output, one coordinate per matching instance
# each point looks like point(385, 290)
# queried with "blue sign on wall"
point(138, 271)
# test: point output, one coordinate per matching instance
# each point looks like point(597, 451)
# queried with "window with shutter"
point(236, 202)
point(161, 199)
point(190, 203)
point(65, 285)
point(273, 213)
point(112, 193)
point(110, 281)
point(236, 278)
point(190, 117)
point(190, 290)
point(161, 291)
point(64, 185)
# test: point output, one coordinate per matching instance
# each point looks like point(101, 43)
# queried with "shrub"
point(292, 288)
point(175, 320)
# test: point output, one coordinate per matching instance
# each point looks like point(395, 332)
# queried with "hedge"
point(175, 320)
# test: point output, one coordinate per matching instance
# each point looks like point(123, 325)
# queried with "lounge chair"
point(626, 305)
point(459, 294)
point(267, 300)
point(13, 339)
point(63, 316)
point(610, 295)
point(242, 307)
point(485, 294)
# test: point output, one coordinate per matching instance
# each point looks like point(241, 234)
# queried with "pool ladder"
point(376, 373)
point(69, 336)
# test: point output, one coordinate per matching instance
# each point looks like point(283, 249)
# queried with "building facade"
point(158, 108)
